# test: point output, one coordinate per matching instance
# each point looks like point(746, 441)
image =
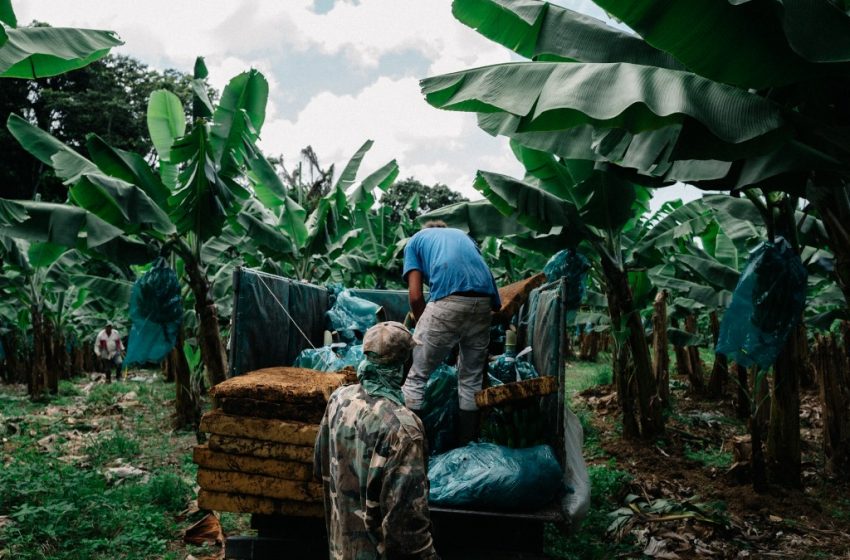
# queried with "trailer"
point(275, 318)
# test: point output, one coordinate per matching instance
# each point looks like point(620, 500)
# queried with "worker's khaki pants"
point(452, 320)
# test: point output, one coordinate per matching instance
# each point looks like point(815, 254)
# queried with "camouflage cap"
point(388, 343)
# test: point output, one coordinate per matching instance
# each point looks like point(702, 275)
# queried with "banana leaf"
point(41, 52)
point(550, 96)
point(544, 31)
point(743, 43)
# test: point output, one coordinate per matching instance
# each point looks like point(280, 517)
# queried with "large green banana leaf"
point(528, 204)
point(41, 52)
point(271, 191)
point(74, 227)
point(543, 31)
point(479, 219)
point(362, 196)
point(166, 121)
point(238, 119)
point(203, 199)
point(68, 164)
point(129, 167)
point(650, 153)
point(743, 43)
point(7, 15)
point(121, 204)
point(113, 290)
point(549, 96)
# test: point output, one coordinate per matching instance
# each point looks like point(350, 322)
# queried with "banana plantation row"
point(767, 134)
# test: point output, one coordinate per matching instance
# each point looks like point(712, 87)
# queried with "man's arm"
point(406, 523)
point(415, 294)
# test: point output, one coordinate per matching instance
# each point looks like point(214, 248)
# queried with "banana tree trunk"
point(783, 438)
point(37, 382)
point(742, 399)
point(720, 369)
point(695, 369)
point(632, 364)
point(832, 363)
point(13, 362)
point(683, 359)
point(50, 357)
point(187, 413)
point(660, 353)
point(209, 336)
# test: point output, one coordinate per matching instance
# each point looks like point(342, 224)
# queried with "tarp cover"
point(156, 311)
point(484, 475)
point(766, 306)
point(269, 315)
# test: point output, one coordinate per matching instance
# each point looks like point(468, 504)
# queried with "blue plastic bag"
point(319, 359)
point(440, 410)
point(573, 266)
point(156, 310)
point(510, 367)
point(330, 358)
point(766, 306)
point(351, 316)
point(484, 475)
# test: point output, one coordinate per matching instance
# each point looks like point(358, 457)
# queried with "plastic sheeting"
point(330, 358)
point(572, 267)
point(766, 306)
point(484, 475)
point(156, 311)
point(351, 316)
point(510, 367)
point(440, 410)
point(270, 313)
point(543, 323)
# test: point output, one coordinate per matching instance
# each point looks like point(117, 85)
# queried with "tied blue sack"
point(351, 316)
point(485, 475)
point(573, 266)
point(510, 367)
point(330, 358)
point(156, 311)
point(440, 410)
point(766, 306)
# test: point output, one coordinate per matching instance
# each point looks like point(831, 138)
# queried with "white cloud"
point(432, 145)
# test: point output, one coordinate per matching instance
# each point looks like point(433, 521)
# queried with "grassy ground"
point(608, 482)
point(96, 473)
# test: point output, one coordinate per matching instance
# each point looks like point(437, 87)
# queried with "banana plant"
point(41, 52)
point(198, 184)
point(667, 103)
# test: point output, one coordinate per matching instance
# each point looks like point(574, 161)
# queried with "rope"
point(286, 311)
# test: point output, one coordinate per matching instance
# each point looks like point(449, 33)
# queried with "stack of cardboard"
point(259, 457)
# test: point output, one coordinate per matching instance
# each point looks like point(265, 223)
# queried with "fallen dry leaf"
point(207, 530)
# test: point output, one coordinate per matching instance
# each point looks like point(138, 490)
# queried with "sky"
point(340, 72)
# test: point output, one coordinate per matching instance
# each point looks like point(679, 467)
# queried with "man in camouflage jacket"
point(371, 458)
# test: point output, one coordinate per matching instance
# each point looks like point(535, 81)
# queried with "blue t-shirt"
point(450, 262)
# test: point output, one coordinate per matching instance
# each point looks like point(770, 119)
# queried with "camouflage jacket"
point(371, 458)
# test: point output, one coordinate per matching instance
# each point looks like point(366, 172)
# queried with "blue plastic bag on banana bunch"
point(573, 266)
point(323, 358)
point(766, 306)
point(510, 367)
point(440, 410)
point(333, 357)
point(351, 316)
point(156, 310)
point(484, 475)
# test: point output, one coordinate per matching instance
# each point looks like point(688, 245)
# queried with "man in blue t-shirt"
point(462, 295)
